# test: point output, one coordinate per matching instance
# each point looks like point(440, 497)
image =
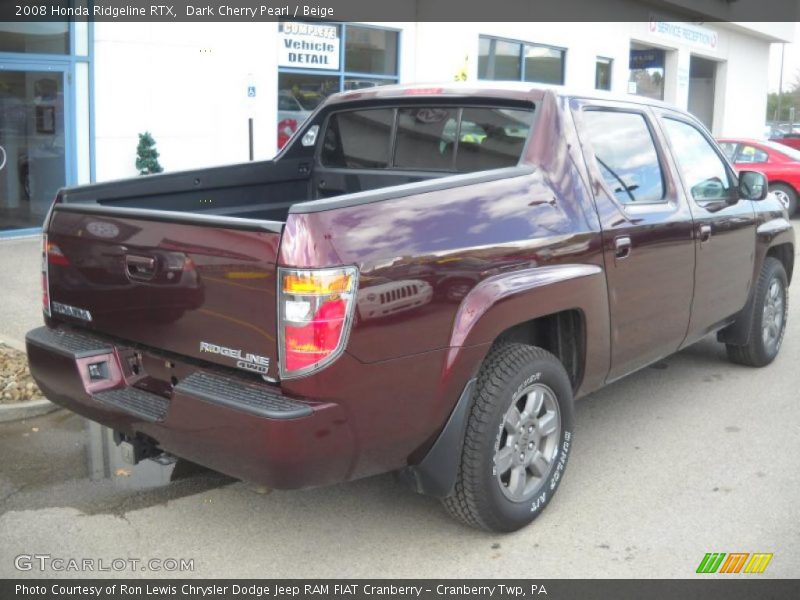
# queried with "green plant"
point(461, 74)
point(147, 155)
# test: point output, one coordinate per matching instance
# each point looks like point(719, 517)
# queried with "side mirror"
point(752, 185)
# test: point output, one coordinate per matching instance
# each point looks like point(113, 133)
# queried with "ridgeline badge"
point(248, 361)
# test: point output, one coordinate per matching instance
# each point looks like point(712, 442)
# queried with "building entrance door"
point(33, 142)
point(702, 81)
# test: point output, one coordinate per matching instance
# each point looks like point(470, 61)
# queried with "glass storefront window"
point(369, 50)
point(544, 65)
point(306, 89)
point(361, 83)
point(34, 38)
point(484, 55)
point(32, 145)
point(646, 72)
point(298, 95)
point(505, 60)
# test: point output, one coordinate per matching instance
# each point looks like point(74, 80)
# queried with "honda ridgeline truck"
point(280, 321)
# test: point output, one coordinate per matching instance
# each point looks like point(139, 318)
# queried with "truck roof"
point(512, 90)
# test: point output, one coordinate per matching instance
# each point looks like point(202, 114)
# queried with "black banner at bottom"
point(734, 588)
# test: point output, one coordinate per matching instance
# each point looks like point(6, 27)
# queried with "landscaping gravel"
point(16, 383)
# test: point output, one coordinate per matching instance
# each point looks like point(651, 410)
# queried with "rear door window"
point(626, 155)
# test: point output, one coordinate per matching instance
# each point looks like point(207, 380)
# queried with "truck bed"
point(259, 190)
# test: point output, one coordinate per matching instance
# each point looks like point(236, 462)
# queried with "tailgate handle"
point(140, 267)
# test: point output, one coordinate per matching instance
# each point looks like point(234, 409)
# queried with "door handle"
point(142, 268)
point(622, 247)
point(704, 233)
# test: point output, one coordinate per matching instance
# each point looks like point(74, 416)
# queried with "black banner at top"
point(397, 10)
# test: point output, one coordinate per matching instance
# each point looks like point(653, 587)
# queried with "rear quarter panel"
point(402, 374)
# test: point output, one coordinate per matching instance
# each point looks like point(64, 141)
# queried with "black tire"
point(478, 499)
point(760, 349)
point(791, 196)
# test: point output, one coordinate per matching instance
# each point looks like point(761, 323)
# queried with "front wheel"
point(769, 318)
point(518, 438)
point(786, 195)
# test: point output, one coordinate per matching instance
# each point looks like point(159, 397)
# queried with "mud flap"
point(435, 475)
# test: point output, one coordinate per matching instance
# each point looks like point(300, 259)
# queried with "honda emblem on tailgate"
point(250, 362)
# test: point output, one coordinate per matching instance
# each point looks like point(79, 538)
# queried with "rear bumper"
point(233, 424)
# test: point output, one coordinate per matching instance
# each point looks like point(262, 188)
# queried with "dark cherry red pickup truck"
point(422, 281)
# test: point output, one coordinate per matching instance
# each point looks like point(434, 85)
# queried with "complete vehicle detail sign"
point(308, 46)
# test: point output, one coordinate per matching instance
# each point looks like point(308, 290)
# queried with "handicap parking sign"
point(251, 91)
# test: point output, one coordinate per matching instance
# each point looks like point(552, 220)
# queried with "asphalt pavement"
point(689, 456)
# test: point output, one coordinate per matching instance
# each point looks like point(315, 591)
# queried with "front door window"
point(32, 145)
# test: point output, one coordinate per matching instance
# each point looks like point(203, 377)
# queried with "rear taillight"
point(45, 278)
point(54, 254)
point(315, 312)
point(51, 255)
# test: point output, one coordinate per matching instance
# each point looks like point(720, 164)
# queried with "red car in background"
point(780, 164)
point(788, 139)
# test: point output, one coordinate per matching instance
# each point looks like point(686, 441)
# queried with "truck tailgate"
point(199, 286)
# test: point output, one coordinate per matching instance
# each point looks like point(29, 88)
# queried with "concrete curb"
point(13, 343)
point(26, 410)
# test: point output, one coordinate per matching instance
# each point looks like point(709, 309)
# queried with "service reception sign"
point(308, 46)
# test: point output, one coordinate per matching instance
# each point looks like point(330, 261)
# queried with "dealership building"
point(75, 96)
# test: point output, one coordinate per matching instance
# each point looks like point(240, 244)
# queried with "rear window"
point(427, 138)
point(492, 138)
point(422, 142)
point(359, 139)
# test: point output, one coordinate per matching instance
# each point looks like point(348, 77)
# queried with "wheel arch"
point(777, 234)
point(562, 309)
point(785, 254)
point(563, 334)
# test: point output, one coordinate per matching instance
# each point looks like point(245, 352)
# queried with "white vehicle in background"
point(385, 299)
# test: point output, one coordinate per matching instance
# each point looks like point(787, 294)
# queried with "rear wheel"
point(518, 437)
point(769, 318)
point(787, 195)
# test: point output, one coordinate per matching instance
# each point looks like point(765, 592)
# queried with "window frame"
point(666, 199)
point(733, 179)
point(531, 107)
point(523, 45)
